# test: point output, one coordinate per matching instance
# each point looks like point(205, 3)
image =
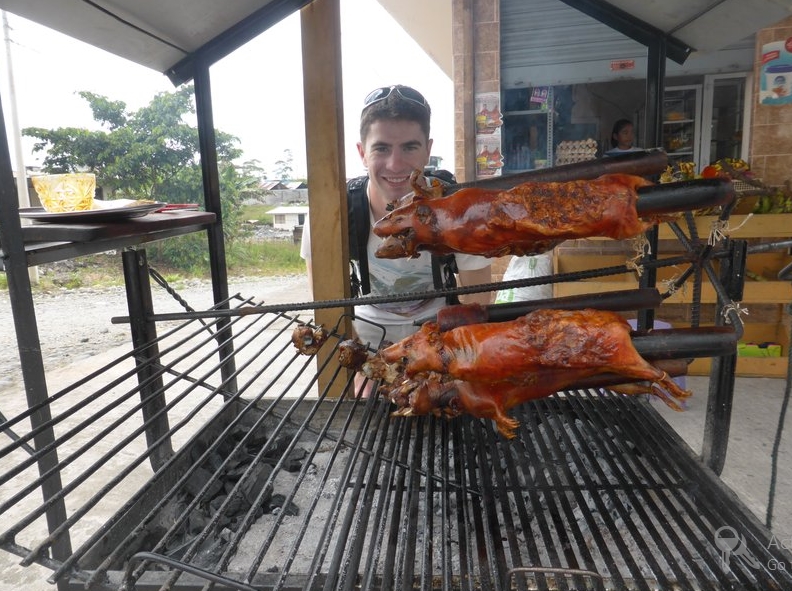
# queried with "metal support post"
point(144, 335)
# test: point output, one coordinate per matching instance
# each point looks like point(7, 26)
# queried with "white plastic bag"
point(523, 268)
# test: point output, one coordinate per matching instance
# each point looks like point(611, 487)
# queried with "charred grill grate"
point(276, 486)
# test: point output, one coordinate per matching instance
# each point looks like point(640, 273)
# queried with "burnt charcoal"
point(215, 503)
point(238, 465)
point(198, 448)
point(256, 440)
point(228, 486)
point(278, 447)
point(253, 485)
point(237, 505)
point(196, 521)
point(199, 479)
point(277, 504)
point(234, 523)
point(294, 462)
point(217, 459)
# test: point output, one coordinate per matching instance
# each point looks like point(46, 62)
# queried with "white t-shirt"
point(396, 276)
point(617, 150)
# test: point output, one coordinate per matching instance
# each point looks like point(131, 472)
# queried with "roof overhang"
point(685, 26)
point(171, 36)
point(638, 29)
point(175, 36)
point(707, 25)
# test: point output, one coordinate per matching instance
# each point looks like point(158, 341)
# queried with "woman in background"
point(622, 138)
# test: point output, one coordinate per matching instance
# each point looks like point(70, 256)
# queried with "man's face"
point(392, 150)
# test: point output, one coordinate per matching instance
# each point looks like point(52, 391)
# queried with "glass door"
point(725, 118)
point(682, 122)
point(527, 129)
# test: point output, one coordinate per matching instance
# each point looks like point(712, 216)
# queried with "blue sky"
point(257, 91)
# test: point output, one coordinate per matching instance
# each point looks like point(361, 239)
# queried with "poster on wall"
point(775, 85)
point(488, 113)
point(489, 160)
point(489, 120)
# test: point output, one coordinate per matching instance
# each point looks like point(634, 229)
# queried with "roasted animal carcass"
point(309, 340)
point(486, 369)
point(528, 219)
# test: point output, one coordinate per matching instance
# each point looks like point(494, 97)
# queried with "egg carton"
point(568, 152)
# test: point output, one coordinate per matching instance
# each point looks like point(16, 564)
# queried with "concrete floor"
point(755, 422)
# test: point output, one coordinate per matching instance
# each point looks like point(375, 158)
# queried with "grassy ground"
point(258, 212)
point(243, 259)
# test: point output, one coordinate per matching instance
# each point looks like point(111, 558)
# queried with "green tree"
point(138, 155)
point(283, 167)
point(254, 175)
point(152, 153)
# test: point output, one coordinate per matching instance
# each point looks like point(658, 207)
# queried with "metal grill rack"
point(208, 456)
point(276, 486)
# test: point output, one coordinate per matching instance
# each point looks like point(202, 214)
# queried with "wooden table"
point(49, 242)
point(46, 242)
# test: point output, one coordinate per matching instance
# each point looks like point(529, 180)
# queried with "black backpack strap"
point(445, 176)
point(359, 226)
point(444, 268)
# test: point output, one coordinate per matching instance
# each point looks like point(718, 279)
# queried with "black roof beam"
point(233, 38)
point(632, 27)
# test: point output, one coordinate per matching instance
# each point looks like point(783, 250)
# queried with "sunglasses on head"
point(407, 93)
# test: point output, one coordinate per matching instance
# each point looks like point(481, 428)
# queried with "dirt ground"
point(74, 324)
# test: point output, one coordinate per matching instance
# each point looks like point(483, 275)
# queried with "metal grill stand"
point(209, 456)
point(595, 484)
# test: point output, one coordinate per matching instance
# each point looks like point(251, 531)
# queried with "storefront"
point(561, 78)
point(554, 79)
point(704, 119)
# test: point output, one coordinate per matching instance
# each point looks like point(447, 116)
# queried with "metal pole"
point(21, 173)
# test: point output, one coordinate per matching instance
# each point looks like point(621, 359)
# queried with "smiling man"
point(394, 141)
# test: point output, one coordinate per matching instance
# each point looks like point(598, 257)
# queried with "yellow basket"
point(66, 192)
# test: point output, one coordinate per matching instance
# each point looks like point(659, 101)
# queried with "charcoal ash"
point(278, 504)
point(233, 479)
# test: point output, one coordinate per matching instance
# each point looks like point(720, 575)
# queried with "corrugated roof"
point(296, 185)
point(272, 185)
point(548, 42)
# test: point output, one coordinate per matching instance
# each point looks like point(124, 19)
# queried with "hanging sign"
point(775, 84)
point(540, 97)
point(617, 65)
point(488, 135)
